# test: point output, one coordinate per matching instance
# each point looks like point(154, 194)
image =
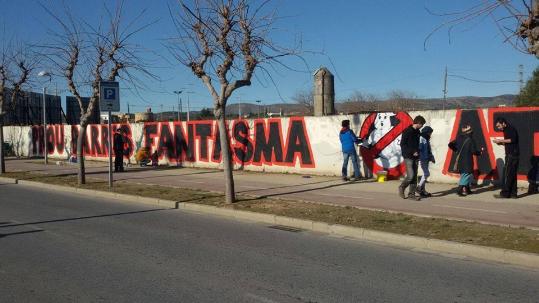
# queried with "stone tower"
point(324, 92)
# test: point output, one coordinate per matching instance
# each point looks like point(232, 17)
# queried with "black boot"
point(401, 192)
point(460, 191)
point(532, 189)
point(412, 193)
point(468, 190)
point(423, 192)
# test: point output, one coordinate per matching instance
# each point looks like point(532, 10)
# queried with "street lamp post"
point(258, 108)
point(178, 92)
point(45, 149)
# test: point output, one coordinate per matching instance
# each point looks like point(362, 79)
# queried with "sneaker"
point(356, 179)
point(460, 191)
point(345, 179)
point(425, 194)
point(414, 198)
point(499, 196)
point(401, 193)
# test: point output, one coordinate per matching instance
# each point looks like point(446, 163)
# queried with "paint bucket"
point(381, 176)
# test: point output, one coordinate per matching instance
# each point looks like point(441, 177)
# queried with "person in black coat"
point(465, 148)
point(118, 151)
point(410, 153)
point(512, 155)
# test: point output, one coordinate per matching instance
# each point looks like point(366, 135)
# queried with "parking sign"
point(109, 93)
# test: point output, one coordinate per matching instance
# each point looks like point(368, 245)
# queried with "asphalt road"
point(57, 247)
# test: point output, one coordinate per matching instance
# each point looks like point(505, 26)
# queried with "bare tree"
point(517, 20)
point(16, 65)
point(401, 100)
point(86, 54)
point(361, 102)
point(305, 98)
point(226, 41)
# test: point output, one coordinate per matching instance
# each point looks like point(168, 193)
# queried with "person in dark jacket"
point(465, 148)
point(425, 157)
point(512, 154)
point(118, 151)
point(348, 144)
point(410, 153)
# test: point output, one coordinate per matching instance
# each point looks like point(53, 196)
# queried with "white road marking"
point(345, 196)
point(469, 208)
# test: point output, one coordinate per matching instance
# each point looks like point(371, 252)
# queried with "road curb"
point(8, 180)
point(404, 241)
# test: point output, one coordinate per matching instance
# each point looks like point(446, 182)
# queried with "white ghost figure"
point(391, 155)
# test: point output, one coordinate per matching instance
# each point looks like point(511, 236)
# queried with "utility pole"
point(188, 106)
point(445, 89)
point(521, 76)
point(239, 110)
point(128, 110)
point(258, 108)
point(178, 92)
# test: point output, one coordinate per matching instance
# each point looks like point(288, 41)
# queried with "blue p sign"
point(110, 94)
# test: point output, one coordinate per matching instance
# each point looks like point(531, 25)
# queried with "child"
point(465, 147)
point(425, 157)
point(155, 159)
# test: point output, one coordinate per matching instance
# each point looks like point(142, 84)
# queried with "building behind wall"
point(28, 109)
point(73, 111)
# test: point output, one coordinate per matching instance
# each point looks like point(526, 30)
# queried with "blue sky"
point(372, 46)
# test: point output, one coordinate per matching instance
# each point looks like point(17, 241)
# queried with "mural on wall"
point(96, 142)
point(526, 121)
point(277, 144)
point(197, 141)
point(484, 165)
point(381, 150)
point(55, 139)
point(265, 144)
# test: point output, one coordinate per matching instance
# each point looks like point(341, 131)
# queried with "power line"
point(482, 81)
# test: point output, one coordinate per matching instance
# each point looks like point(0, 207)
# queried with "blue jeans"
point(426, 172)
point(465, 179)
point(346, 156)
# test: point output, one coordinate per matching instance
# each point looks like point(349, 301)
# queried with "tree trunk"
point(80, 154)
point(227, 159)
point(2, 161)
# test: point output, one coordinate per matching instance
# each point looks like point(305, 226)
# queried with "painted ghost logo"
point(382, 132)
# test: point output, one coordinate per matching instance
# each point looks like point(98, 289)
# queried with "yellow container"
point(381, 176)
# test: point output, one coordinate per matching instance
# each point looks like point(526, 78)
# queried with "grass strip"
point(520, 239)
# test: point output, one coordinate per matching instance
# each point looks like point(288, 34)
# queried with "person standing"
point(465, 148)
point(410, 153)
point(425, 157)
point(348, 144)
point(512, 153)
point(118, 151)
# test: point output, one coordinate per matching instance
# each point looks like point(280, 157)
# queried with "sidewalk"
point(481, 207)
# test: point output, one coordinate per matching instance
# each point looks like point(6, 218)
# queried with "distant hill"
point(350, 107)
point(293, 109)
point(468, 102)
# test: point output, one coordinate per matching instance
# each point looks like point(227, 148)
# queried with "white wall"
point(322, 133)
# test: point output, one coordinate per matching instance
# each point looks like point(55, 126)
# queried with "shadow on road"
point(82, 218)
point(312, 189)
point(21, 233)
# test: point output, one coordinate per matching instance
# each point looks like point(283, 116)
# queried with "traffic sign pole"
point(109, 101)
point(111, 141)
